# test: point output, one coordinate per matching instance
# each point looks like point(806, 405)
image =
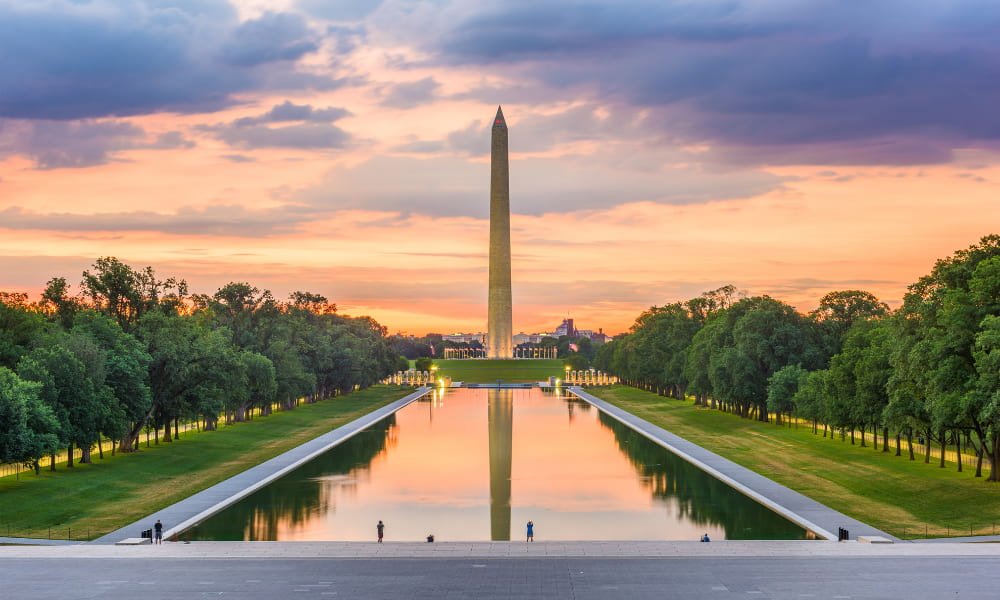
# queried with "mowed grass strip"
point(902, 497)
point(489, 371)
point(95, 499)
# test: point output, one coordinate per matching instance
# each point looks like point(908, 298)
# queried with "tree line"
point(576, 351)
point(928, 370)
point(131, 353)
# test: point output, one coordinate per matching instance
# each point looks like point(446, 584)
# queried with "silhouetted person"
point(158, 532)
point(531, 531)
point(705, 538)
point(381, 529)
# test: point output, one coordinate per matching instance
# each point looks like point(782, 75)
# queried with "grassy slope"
point(114, 492)
point(889, 492)
point(487, 371)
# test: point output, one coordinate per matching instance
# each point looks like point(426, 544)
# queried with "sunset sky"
point(658, 148)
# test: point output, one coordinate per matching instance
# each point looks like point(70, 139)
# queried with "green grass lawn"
point(95, 499)
point(892, 493)
point(488, 371)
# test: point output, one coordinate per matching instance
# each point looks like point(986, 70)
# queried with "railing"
point(76, 534)
point(922, 531)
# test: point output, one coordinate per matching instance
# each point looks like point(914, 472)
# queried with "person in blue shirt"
point(531, 531)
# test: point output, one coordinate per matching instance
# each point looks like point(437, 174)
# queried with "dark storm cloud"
point(65, 59)
point(792, 81)
point(213, 220)
point(286, 125)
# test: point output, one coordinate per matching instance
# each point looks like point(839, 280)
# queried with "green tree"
point(782, 387)
point(68, 391)
point(27, 426)
point(19, 327)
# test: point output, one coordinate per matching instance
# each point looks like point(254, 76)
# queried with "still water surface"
point(478, 464)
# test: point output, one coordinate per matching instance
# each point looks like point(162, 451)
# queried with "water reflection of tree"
point(700, 498)
point(305, 494)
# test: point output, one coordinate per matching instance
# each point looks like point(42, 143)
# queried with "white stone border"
point(359, 424)
point(606, 408)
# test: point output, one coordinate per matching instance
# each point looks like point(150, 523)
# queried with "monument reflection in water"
point(477, 464)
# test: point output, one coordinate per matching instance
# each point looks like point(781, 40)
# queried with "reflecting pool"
point(478, 464)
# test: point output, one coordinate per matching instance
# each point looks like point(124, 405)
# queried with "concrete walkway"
point(18, 541)
point(444, 550)
point(812, 515)
point(193, 509)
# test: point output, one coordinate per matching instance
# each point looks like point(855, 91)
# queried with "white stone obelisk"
point(499, 343)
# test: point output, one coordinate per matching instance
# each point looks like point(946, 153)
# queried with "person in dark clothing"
point(531, 531)
point(158, 532)
point(380, 528)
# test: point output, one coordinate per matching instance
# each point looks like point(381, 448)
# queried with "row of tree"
point(929, 369)
point(131, 353)
point(578, 352)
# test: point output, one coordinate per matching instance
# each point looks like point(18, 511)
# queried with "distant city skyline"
point(657, 149)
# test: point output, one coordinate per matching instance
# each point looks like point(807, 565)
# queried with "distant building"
point(566, 328)
point(464, 338)
point(528, 338)
point(599, 338)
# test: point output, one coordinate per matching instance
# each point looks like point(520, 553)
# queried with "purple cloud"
point(797, 82)
point(65, 59)
point(286, 125)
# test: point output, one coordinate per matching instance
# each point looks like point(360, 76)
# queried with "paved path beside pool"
point(820, 519)
point(450, 550)
point(193, 509)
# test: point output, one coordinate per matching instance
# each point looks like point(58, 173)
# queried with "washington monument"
point(500, 329)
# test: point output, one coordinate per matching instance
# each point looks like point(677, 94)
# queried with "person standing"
point(531, 531)
point(380, 528)
point(158, 532)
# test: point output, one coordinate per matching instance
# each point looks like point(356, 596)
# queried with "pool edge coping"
point(609, 409)
point(336, 437)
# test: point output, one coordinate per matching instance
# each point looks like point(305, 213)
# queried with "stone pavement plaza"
point(781, 570)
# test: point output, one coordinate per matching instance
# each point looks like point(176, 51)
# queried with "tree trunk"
point(885, 439)
point(958, 449)
point(52, 461)
point(979, 461)
point(166, 433)
point(863, 432)
point(994, 463)
point(899, 448)
point(85, 454)
point(100, 449)
point(69, 456)
point(944, 446)
point(177, 428)
point(909, 442)
point(927, 448)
